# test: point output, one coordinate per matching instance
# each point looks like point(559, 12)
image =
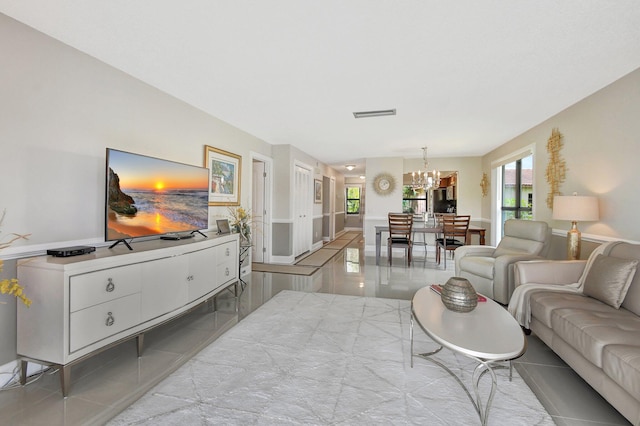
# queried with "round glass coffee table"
point(488, 334)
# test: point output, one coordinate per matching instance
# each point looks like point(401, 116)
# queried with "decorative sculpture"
point(557, 168)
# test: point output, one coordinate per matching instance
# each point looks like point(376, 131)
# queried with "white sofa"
point(571, 307)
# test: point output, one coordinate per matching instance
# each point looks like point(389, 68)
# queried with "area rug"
point(318, 359)
point(337, 244)
point(349, 235)
point(283, 269)
point(318, 257)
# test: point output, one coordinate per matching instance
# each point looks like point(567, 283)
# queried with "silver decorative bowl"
point(458, 295)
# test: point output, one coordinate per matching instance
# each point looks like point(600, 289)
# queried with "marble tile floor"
point(106, 384)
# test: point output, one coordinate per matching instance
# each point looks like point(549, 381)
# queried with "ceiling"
point(465, 76)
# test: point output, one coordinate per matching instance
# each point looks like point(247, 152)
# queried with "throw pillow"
point(609, 279)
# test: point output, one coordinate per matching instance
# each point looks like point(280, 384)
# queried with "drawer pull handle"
point(190, 278)
point(110, 320)
point(110, 286)
point(226, 271)
point(227, 252)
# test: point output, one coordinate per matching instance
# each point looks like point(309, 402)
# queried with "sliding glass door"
point(517, 190)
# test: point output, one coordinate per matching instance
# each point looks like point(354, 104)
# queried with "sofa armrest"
point(503, 275)
point(560, 272)
point(472, 250)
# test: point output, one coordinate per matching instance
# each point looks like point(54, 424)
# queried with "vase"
point(245, 234)
point(458, 295)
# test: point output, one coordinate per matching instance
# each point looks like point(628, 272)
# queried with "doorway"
point(302, 210)
point(354, 206)
point(261, 208)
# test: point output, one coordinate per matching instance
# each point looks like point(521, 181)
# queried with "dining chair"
point(419, 238)
point(400, 235)
point(454, 234)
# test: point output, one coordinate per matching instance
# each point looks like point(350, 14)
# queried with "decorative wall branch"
point(557, 168)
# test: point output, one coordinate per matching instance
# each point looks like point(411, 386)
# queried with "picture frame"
point(225, 174)
point(223, 226)
point(317, 191)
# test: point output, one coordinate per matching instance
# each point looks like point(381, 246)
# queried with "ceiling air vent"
point(380, 113)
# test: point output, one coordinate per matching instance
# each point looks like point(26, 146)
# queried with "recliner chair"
point(490, 269)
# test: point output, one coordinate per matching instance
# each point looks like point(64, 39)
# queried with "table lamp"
point(574, 208)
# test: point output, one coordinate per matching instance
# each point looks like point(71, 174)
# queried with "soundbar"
point(71, 251)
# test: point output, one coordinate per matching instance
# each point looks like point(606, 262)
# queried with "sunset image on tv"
point(149, 196)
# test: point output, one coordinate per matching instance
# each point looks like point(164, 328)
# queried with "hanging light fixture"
point(424, 179)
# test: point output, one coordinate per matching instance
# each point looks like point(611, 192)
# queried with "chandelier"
point(425, 180)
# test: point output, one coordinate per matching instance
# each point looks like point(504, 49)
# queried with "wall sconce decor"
point(484, 185)
point(557, 168)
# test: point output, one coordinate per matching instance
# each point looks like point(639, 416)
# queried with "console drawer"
point(97, 287)
point(226, 272)
point(226, 252)
point(98, 322)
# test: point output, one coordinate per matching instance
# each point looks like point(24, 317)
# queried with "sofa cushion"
point(609, 278)
point(632, 299)
point(589, 330)
point(544, 302)
point(622, 364)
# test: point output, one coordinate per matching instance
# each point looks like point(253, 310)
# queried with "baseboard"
point(283, 260)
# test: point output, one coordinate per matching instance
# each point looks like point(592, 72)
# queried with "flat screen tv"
point(147, 196)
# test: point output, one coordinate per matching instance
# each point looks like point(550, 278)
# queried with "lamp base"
point(573, 242)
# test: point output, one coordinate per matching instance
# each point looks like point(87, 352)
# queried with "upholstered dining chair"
point(454, 234)
point(400, 234)
point(490, 269)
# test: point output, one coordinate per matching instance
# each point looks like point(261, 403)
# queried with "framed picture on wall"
point(225, 170)
point(317, 191)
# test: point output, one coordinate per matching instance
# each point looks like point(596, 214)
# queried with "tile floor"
point(107, 383)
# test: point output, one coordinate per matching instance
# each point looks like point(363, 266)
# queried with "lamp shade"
point(575, 208)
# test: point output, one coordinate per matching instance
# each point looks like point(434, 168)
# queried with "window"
point(414, 200)
point(353, 200)
point(517, 189)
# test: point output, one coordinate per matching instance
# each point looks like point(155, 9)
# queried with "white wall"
point(601, 150)
point(59, 110)
point(377, 206)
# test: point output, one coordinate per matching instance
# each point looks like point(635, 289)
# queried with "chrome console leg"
point(23, 372)
point(140, 344)
point(65, 379)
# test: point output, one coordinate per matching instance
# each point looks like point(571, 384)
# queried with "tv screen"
point(148, 196)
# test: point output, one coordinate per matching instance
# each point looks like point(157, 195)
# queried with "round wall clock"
point(384, 184)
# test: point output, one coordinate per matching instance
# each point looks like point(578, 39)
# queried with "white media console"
point(85, 304)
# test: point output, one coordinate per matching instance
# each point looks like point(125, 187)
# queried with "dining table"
point(426, 229)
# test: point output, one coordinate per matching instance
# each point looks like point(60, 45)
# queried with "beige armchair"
point(490, 269)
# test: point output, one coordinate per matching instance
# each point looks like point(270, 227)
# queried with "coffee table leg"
point(482, 368)
point(478, 372)
point(411, 337)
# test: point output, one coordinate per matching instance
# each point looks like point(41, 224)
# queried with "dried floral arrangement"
point(241, 221)
point(10, 285)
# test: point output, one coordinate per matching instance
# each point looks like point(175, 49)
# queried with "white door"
point(258, 228)
point(332, 209)
point(302, 220)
